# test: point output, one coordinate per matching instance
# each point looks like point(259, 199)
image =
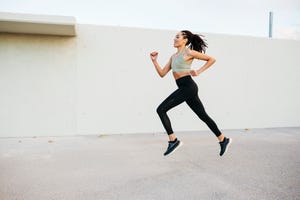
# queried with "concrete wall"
point(103, 82)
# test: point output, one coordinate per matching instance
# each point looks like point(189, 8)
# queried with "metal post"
point(270, 24)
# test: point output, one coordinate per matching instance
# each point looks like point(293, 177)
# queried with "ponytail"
point(195, 41)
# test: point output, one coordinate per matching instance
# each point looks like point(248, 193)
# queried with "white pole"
point(270, 24)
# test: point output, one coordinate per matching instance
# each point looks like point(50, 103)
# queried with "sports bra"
point(178, 63)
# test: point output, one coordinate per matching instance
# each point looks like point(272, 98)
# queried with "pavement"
point(260, 164)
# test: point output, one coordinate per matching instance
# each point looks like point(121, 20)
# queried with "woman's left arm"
point(209, 61)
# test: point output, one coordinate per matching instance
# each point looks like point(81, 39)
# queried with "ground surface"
point(260, 164)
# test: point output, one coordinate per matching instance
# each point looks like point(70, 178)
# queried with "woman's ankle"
point(172, 137)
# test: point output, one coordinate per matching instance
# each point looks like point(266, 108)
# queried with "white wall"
point(37, 84)
point(103, 82)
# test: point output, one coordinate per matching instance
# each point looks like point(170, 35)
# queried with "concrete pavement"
point(260, 164)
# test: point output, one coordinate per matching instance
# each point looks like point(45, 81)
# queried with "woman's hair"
point(195, 41)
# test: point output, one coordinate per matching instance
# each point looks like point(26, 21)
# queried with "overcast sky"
point(237, 17)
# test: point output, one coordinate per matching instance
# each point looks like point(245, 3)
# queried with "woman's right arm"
point(160, 71)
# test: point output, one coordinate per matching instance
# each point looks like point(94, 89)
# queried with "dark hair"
point(195, 41)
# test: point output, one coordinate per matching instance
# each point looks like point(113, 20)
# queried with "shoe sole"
point(230, 140)
point(180, 144)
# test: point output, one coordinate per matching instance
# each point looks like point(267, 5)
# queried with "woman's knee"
point(160, 110)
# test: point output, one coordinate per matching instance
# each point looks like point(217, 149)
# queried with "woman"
point(189, 47)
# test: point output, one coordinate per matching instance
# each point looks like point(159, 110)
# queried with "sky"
point(234, 17)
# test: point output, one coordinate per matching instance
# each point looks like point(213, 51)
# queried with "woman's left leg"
point(196, 105)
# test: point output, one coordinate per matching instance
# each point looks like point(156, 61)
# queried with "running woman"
point(189, 47)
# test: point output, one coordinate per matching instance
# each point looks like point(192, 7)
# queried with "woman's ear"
point(185, 40)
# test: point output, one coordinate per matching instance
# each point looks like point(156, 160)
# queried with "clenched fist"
point(154, 55)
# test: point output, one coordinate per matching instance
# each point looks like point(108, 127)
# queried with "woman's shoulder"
point(173, 55)
point(189, 51)
point(193, 53)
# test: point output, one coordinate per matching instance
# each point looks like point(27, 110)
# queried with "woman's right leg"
point(176, 98)
point(171, 101)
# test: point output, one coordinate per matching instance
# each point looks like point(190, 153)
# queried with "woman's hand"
point(194, 73)
point(161, 71)
point(153, 55)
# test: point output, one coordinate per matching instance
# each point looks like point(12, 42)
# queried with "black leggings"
point(187, 91)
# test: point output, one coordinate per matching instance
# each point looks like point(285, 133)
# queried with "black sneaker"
point(224, 145)
point(173, 145)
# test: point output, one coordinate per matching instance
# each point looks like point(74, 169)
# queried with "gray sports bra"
point(178, 63)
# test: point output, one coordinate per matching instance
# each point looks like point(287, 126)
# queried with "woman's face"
point(179, 40)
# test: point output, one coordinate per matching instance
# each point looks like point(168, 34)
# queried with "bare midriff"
point(178, 75)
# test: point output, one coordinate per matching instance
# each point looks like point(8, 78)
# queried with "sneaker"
point(172, 147)
point(224, 145)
